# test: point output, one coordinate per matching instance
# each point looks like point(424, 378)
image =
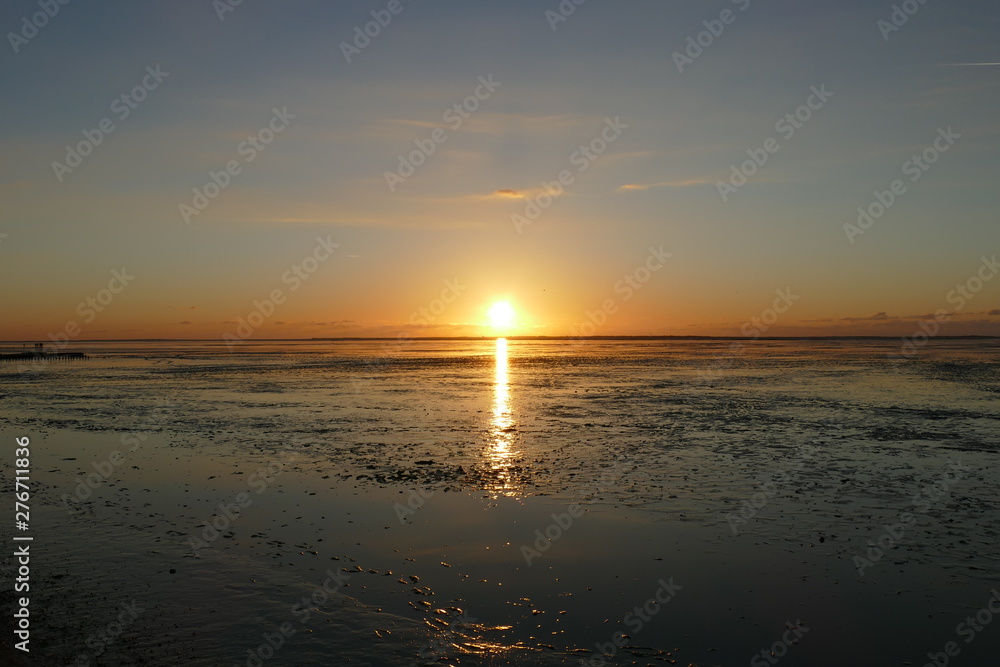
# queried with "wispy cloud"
point(634, 187)
point(506, 194)
point(495, 123)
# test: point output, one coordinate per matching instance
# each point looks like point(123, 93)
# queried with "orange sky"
point(477, 154)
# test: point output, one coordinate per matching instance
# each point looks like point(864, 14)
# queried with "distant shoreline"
point(486, 338)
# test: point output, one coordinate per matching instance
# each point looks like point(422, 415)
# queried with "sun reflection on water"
point(501, 452)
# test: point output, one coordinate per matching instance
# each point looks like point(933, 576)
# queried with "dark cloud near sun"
point(877, 317)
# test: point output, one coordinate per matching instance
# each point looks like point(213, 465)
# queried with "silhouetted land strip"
point(743, 338)
point(48, 356)
point(468, 338)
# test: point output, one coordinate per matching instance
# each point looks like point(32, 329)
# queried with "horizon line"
point(481, 338)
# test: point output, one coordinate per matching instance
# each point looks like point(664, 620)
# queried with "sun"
point(501, 315)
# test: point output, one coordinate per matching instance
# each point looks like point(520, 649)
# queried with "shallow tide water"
point(509, 502)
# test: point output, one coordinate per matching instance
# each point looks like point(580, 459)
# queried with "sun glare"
point(501, 315)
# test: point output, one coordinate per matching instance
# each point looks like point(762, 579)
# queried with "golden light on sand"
point(501, 315)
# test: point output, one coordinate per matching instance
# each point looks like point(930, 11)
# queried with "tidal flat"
point(508, 502)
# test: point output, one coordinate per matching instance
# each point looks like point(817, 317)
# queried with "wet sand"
point(413, 491)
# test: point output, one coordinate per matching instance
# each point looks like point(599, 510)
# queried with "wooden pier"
point(38, 353)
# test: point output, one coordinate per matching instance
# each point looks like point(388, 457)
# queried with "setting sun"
point(501, 315)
